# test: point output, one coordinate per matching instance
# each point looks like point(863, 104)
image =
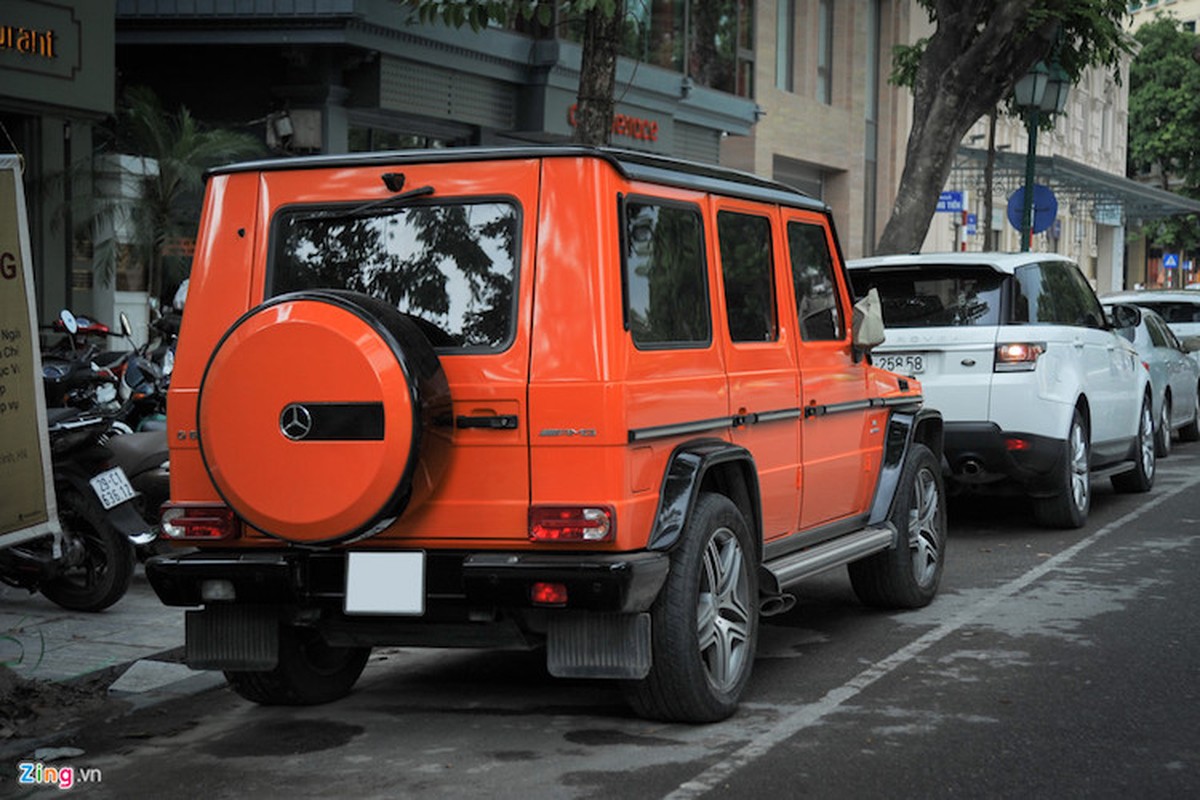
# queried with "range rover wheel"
point(1191, 431)
point(1141, 477)
point(318, 416)
point(309, 672)
point(907, 576)
point(1162, 436)
point(704, 625)
point(1069, 507)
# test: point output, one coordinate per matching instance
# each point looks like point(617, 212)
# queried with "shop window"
point(711, 41)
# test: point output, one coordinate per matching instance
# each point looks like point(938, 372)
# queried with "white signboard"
point(27, 507)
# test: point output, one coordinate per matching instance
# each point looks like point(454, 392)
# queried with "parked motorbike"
point(75, 371)
point(143, 456)
point(91, 566)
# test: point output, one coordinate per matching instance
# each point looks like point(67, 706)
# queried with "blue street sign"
point(950, 201)
point(1170, 261)
point(1045, 207)
point(972, 221)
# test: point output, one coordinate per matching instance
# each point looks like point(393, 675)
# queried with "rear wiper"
point(394, 201)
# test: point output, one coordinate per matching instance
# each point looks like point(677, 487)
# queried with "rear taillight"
point(192, 522)
point(571, 524)
point(1018, 356)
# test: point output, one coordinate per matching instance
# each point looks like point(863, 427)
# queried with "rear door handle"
point(499, 422)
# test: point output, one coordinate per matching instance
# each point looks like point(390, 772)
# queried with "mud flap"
point(595, 645)
point(233, 637)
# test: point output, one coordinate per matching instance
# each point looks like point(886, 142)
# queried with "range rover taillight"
point(571, 524)
point(194, 522)
point(1018, 356)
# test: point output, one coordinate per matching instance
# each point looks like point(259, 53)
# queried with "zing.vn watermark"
point(35, 773)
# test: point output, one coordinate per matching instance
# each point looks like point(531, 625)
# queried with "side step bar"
point(792, 568)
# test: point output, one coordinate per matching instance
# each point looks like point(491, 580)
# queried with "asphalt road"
point(1053, 664)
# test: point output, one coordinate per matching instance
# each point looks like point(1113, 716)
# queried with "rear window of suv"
point(452, 266)
point(928, 297)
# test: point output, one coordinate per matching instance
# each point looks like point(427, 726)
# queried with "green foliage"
point(183, 149)
point(1164, 118)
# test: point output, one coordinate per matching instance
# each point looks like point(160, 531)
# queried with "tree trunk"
point(965, 71)
point(598, 75)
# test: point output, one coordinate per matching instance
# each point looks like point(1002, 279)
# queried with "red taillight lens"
point(549, 594)
point(571, 524)
point(198, 523)
point(1016, 444)
point(1018, 356)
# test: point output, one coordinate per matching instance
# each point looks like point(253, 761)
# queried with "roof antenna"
point(394, 181)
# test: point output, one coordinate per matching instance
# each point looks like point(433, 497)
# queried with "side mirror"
point(867, 322)
point(126, 328)
point(1125, 316)
point(69, 322)
point(1190, 344)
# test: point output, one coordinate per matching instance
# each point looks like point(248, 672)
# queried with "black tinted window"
point(666, 294)
point(745, 243)
point(1055, 294)
point(933, 296)
point(452, 266)
point(814, 283)
point(1173, 312)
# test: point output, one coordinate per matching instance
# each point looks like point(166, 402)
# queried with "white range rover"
point(1038, 393)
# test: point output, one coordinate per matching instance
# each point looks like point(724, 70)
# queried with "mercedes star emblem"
point(295, 422)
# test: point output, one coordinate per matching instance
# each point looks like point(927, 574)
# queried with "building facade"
point(56, 81)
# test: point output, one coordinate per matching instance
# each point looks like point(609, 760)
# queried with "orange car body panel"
point(571, 375)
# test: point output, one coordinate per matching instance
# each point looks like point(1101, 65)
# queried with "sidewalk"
point(132, 651)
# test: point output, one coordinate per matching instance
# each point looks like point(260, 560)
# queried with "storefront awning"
point(1109, 198)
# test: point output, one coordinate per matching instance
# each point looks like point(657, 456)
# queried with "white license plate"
point(112, 487)
point(385, 583)
point(903, 363)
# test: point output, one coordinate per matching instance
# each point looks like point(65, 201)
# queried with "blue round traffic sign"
point(1045, 207)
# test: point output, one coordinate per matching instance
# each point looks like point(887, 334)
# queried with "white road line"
point(809, 715)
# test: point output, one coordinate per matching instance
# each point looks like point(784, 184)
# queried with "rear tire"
point(310, 672)
point(103, 559)
point(1162, 436)
point(907, 576)
point(704, 624)
point(1141, 477)
point(1069, 508)
point(1191, 431)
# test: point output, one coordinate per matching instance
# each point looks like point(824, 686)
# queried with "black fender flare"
point(906, 426)
point(687, 469)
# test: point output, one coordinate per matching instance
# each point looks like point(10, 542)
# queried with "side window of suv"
point(746, 269)
point(1055, 294)
point(664, 275)
point(814, 282)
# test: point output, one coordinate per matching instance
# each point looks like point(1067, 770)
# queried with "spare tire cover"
point(313, 412)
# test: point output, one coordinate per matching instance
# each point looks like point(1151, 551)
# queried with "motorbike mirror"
point(69, 322)
point(126, 328)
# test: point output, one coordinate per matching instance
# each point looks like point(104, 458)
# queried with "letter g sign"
point(8, 266)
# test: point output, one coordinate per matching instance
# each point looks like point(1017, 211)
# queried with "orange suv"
point(608, 403)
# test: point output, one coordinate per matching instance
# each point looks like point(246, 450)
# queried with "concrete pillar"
point(1110, 258)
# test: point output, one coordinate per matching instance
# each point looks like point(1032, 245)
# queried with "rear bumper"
point(981, 454)
point(459, 585)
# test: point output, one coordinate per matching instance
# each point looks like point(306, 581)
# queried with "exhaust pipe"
point(776, 604)
point(972, 468)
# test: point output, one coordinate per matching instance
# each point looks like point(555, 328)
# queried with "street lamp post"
point(1042, 90)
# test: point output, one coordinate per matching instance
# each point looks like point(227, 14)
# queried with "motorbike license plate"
point(903, 363)
point(112, 487)
point(385, 583)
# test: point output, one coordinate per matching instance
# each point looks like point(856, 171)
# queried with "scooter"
point(91, 566)
point(143, 456)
